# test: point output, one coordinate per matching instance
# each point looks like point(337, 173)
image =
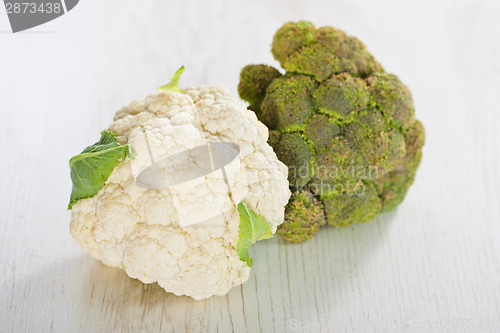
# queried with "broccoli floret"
point(288, 103)
point(292, 150)
point(254, 80)
point(304, 215)
point(343, 126)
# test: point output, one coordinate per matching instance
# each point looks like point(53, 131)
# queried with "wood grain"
point(433, 265)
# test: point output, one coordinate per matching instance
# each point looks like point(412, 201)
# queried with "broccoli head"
point(344, 127)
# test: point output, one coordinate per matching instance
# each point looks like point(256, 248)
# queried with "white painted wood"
point(433, 265)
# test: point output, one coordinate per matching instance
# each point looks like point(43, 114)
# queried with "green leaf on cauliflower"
point(91, 168)
point(252, 229)
point(173, 85)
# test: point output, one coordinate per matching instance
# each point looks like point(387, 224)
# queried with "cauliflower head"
point(343, 126)
point(138, 229)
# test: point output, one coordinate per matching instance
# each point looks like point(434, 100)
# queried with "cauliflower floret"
point(138, 229)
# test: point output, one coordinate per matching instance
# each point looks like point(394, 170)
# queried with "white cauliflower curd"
point(139, 229)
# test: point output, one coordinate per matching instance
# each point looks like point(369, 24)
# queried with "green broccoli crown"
point(344, 127)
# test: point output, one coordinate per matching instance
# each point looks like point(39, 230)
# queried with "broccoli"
point(344, 127)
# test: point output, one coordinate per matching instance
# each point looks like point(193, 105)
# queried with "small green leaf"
point(252, 228)
point(92, 167)
point(173, 85)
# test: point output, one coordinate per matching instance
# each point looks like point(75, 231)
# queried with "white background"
point(431, 265)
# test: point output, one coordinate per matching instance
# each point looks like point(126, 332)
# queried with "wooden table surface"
point(432, 265)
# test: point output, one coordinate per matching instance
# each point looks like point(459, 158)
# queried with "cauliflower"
point(143, 229)
point(344, 126)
